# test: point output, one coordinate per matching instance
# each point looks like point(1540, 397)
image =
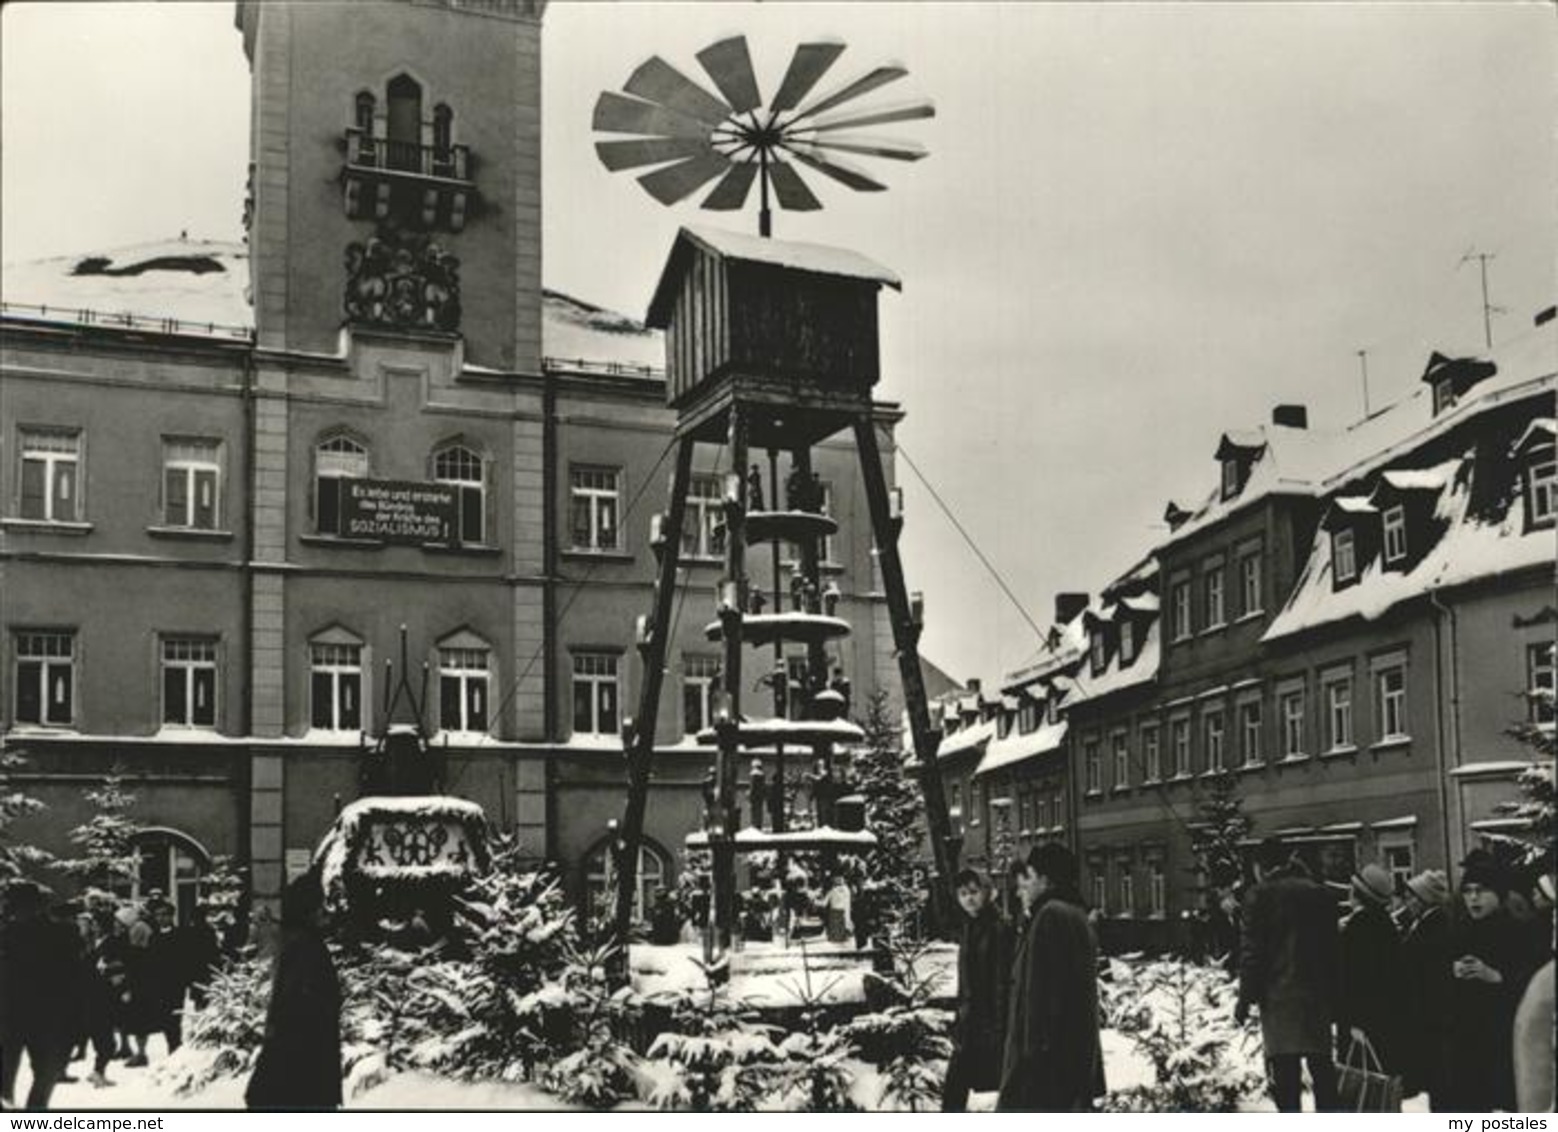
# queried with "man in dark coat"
point(1372, 996)
point(1054, 1058)
point(984, 976)
point(1487, 975)
point(41, 993)
point(1425, 963)
point(299, 1064)
point(166, 974)
point(1288, 968)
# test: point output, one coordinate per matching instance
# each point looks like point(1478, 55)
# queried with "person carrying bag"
point(1362, 1085)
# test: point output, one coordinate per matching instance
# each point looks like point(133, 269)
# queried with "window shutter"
point(33, 491)
point(175, 512)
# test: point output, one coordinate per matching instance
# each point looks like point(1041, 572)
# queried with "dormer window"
point(1230, 478)
point(1344, 555)
point(1100, 646)
point(1395, 524)
point(1127, 641)
point(1028, 716)
point(1450, 378)
point(1541, 491)
point(1238, 452)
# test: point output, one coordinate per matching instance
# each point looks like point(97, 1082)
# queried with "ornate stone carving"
point(403, 280)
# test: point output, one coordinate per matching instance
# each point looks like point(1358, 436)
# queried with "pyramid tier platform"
point(760, 629)
point(792, 526)
point(749, 840)
point(759, 733)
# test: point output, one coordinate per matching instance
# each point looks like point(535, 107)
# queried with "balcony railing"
point(365, 151)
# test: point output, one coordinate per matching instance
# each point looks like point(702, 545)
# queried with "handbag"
point(1362, 1085)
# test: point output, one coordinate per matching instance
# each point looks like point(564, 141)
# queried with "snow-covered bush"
point(715, 1057)
point(223, 1038)
point(815, 1074)
point(907, 1041)
point(16, 856)
point(583, 1024)
point(1179, 1016)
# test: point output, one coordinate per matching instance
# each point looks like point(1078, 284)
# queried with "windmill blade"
point(894, 148)
point(883, 75)
point(840, 170)
point(809, 63)
point(675, 182)
point(790, 189)
point(731, 193)
point(658, 81)
point(729, 64)
point(901, 112)
point(615, 114)
point(616, 155)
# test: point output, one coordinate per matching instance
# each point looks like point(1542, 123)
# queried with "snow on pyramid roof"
point(201, 286)
point(821, 259)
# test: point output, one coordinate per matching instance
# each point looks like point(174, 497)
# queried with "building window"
point(600, 881)
point(1127, 628)
point(1212, 726)
point(1127, 890)
point(1093, 759)
point(1028, 717)
point(1230, 478)
point(1444, 395)
point(189, 682)
point(1157, 889)
point(1395, 522)
point(1100, 646)
point(1390, 701)
point(1040, 811)
point(703, 527)
point(46, 677)
point(50, 476)
point(825, 544)
point(336, 686)
point(363, 109)
point(1122, 761)
point(595, 501)
point(1400, 861)
point(1249, 584)
point(595, 694)
point(336, 460)
point(1541, 684)
point(1179, 737)
point(1541, 491)
point(443, 132)
point(700, 677)
point(463, 469)
point(1212, 590)
point(1181, 610)
point(1151, 756)
point(1100, 888)
point(171, 863)
point(191, 484)
point(1338, 713)
point(464, 691)
point(1249, 732)
point(1293, 724)
point(1344, 555)
point(1057, 811)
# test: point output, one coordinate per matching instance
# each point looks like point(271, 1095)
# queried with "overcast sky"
point(1138, 225)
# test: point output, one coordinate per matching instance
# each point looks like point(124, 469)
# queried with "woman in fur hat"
point(1485, 969)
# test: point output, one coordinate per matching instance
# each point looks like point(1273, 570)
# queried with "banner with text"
point(398, 511)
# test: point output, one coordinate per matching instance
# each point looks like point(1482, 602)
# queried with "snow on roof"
point(1354, 504)
point(204, 283)
point(1543, 428)
point(966, 739)
point(1314, 461)
point(1492, 768)
point(1414, 480)
point(1015, 748)
point(1141, 603)
point(1071, 648)
point(1142, 670)
point(1469, 549)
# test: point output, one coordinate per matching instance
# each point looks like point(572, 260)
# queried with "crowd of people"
point(1447, 990)
point(94, 976)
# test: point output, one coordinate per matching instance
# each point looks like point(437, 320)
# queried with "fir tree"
point(108, 858)
point(1220, 827)
point(1537, 841)
point(889, 894)
point(15, 856)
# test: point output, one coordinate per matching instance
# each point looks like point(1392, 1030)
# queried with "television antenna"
point(693, 135)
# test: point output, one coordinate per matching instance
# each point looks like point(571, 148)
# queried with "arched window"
point(458, 465)
point(403, 125)
point(336, 458)
point(600, 879)
point(172, 864)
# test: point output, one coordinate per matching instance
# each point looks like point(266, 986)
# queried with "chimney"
point(1067, 606)
point(1290, 416)
point(1174, 515)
